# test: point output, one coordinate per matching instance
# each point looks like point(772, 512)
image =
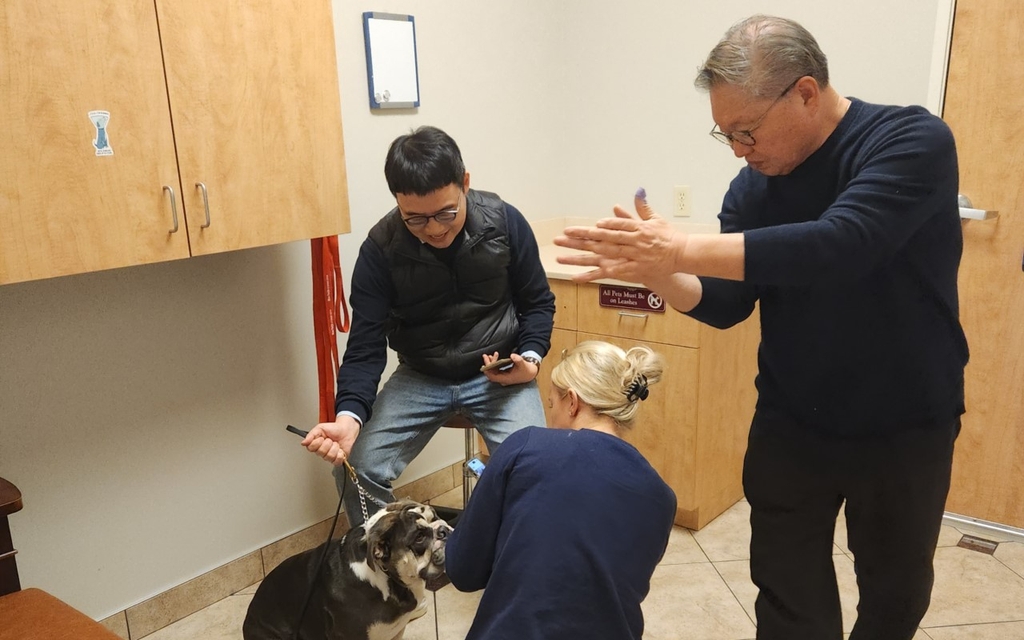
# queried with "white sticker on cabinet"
point(102, 142)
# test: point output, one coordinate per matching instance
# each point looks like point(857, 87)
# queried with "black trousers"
point(895, 488)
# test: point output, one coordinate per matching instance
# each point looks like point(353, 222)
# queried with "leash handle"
point(363, 493)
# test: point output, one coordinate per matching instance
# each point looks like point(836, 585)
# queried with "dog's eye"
point(421, 535)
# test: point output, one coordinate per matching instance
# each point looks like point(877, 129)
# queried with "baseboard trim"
point(983, 529)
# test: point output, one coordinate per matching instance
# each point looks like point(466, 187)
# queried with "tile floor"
point(702, 591)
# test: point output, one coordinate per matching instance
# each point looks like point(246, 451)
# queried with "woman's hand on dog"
point(333, 441)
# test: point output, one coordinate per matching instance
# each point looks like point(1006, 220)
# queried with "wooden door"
point(257, 119)
point(65, 205)
point(984, 106)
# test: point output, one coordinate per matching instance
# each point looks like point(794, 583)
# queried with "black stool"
point(459, 421)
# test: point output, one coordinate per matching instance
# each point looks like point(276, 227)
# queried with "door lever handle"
point(968, 212)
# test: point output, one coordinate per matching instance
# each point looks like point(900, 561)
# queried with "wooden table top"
point(10, 498)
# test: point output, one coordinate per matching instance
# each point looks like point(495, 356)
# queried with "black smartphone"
point(501, 363)
point(297, 431)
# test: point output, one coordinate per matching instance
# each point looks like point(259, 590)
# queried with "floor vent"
point(978, 544)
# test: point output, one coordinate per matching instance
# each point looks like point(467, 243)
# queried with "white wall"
point(142, 409)
point(631, 109)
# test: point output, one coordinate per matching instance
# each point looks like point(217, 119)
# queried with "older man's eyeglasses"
point(417, 221)
point(746, 137)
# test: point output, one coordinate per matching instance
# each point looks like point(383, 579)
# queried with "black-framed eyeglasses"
point(746, 137)
point(443, 216)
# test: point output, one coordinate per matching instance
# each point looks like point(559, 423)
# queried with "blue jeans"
point(409, 410)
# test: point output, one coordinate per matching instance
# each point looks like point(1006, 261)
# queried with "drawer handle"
point(627, 314)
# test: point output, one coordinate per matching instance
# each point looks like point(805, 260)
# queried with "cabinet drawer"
point(565, 303)
point(670, 327)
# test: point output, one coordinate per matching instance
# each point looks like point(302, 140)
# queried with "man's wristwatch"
point(532, 360)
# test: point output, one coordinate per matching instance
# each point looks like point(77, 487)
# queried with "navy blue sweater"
point(564, 530)
point(853, 257)
point(373, 290)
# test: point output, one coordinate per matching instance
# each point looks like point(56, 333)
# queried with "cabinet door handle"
point(174, 209)
point(627, 314)
point(206, 204)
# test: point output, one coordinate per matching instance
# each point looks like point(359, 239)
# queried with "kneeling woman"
point(567, 525)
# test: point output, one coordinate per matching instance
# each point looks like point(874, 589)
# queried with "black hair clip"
point(638, 389)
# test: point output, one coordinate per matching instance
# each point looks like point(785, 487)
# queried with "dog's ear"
point(378, 553)
point(378, 544)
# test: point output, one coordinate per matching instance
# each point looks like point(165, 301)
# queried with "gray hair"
point(762, 55)
point(609, 380)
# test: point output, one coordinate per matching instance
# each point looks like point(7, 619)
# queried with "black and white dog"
point(371, 586)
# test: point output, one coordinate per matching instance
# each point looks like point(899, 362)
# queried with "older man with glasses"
point(451, 278)
point(843, 226)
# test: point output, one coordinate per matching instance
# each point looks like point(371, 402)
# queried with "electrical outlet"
point(681, 201)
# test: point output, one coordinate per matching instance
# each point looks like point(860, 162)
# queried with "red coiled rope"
point(330, 316)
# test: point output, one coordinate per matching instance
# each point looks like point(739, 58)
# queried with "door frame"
point(941, 46)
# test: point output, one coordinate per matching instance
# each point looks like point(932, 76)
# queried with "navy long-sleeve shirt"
point(371, 299)
point(564, 530)
point(853, 257)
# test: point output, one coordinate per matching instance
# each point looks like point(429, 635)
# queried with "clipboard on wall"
point(391, 66)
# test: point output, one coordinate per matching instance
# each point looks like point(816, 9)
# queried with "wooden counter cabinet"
point(693, 427)
point(563, 336)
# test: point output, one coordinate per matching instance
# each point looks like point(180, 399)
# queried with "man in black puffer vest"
point(451, 278)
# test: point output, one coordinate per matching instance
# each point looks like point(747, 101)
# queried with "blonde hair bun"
point(609, 379)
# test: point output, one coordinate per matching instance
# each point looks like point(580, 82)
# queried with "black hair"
point(422, 162)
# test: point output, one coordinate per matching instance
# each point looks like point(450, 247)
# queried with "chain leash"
point(362, 493)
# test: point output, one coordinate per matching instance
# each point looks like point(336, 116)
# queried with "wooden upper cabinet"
point(253, 88)
point(239, 96)
point(63, 208)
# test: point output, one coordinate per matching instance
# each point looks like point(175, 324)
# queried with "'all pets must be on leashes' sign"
point(636, 298)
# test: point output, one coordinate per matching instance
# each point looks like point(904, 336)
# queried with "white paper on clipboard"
point(391, 67)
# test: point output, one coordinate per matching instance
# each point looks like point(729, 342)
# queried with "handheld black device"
point(502, 364)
